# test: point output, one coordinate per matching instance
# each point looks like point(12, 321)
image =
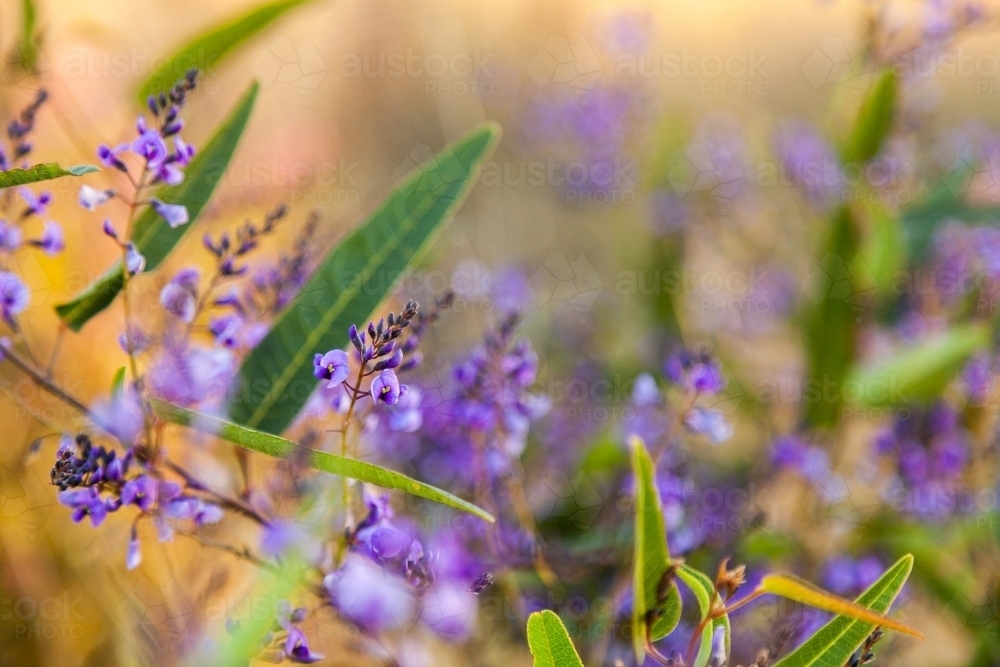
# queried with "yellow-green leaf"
point(703, 589)
point(791, 587)
point(874, 120)
point(549, 642)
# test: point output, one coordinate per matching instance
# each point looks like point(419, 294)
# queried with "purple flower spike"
point(175, 214)
point(14, 295)
point(385, 388)
point(52, 241)
point(90, 198)
point(134, 260)
point(331, 366)
point(85, 502)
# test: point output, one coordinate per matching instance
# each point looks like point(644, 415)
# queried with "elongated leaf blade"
point(874, 119)
point(920, 373)
point(703, 589)
point(837, 302)
point(42, 172)
point(276, 378)
point(651, 557)
point(272, 445)
point(211, 46)
point(27, 46)
point(549, 642)
point(836, 641)
point(153, 237)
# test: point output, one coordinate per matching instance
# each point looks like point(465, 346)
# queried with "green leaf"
point(919, 373)
point(209, 48)
point(874, 120)
point(835, 642)
point(118, 382)
point(27, 45)
point(42, 172)
point(884, 249)
point(153, 237)
point(549, 642)
point(272, 445)
point(838, 296)
point(703, 589)
point(276, 378)
point(651, 557)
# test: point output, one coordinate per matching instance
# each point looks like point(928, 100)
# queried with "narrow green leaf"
point(153, 237)
point(835, 642)
point(272, 445)
point(211, 46)
point(42, 172)
point(919, 373)
point(28, 46)
point(118, 382)
point(838, 297)
point(549, 642)
point(276, 378)
point(703, 589)
point(884, 249)
point(651, 557)
point(874, 120)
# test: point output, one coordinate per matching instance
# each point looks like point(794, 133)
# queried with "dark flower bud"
point(392, 362)
point(358, 340)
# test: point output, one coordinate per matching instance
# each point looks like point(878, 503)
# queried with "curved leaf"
point(703, 589)
point(153, 237)
point(276, 378)
point(42, 172)
point(549, 642)
point(920, 373)
point(652, 557)
point(272, 445)
point(874, 119)
point(210, 47)
point(835, 642)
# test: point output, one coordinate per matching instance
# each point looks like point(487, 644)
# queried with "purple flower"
point(371, 597)
point(695, 371)
point(90, 198)
point(408, 416)
point(37, 205)
point(14, 295)
point(110, 156)
point(135, 262)
point(51, 242)
point(331, 366)
point(189, 375)
point(140, 492)
point(709, 423)
point(179, 297)
point(121, 416)
point(193, 509)
point(175, 214)
point(85, 502)
point(645, 393)
point(149, 144)
point(297, 647)
point(450, 611)
point(133, 557)
point(226, 328)
point(10, 236)
point(385, 388)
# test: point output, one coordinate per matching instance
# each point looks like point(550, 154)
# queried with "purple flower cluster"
point(808, 161)
point(929, 450)
point(94, 481)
